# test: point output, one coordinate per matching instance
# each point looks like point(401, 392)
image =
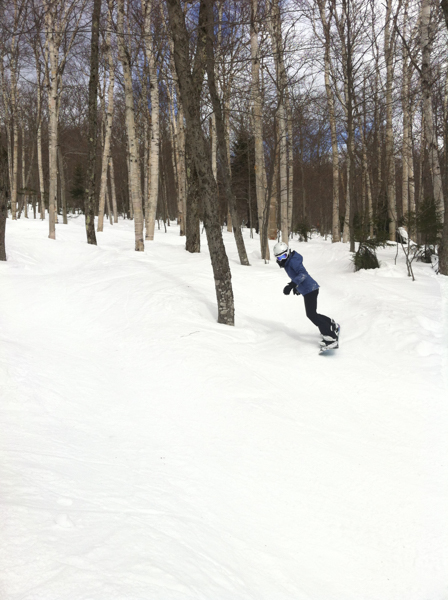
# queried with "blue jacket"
point(299, 275)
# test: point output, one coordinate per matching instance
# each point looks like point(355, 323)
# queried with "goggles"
point(282, 256)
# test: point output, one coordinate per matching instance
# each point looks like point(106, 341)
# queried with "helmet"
point(280, 248)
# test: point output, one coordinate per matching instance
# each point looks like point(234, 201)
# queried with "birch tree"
point(443, 248)
point(109, 115)
point(389, 43)
point(177, 123)
point(336, 237)
point(93, 123)
point(39, 92)
point(190, 85)
point(275, 30)
point(430, 131)
point(257, 118)
point(10, 49)
point(134, 170)
point(62, 18)
point(4, 185)
point(147, 7)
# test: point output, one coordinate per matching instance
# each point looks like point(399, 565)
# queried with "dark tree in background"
point(93, 94)
point(443, 249)
point(3, 200)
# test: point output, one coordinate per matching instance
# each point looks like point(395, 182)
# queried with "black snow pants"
point(323, 322)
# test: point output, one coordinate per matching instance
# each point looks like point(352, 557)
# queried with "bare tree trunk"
point(214, 146)
point(6, 114)
point(441, 201)
point(56, 23)
point(273, 200)
point(109, 212)
point(179, 169)
point(53, 137)
point(421, 159)
point(192, 224)
point(412, 207)
point(274, 24)
point(182, 163)
point(335, 229)
point(155, 133)
point(178, 123)
point(406, 149)
point(430, 133)
point(302, 176)
point(15, 150)
point(24, 201)
point(226, 117)
point(257, 117)
point(222, 139)
point(390, 156)
point(190, 86)
point(4, 180)
point(108, 124)
point(344, 28)
point(346, 228)
point(112, 187)
point(290, 150)
point(14, 114)
point(3, 217)
point(134, 171)
point(284, 223)
point(40, 168)
point(93, 124)
point(63, 186)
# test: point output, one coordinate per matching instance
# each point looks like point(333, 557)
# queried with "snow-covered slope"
point(148, 453)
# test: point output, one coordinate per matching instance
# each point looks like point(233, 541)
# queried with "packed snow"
point(149, 453)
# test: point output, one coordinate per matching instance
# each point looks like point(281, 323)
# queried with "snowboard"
point(323, 349)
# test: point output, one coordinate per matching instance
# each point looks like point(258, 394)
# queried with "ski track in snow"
point(148, 453)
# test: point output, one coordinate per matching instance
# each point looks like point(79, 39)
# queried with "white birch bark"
point(227, 134)
point(274, 23)
point(430, 131)
point(134, 170)
point(113, 191)
point(390, 155)
point(58, 14)
point(257, 118)
point(53, 94)
point(406, 143)
point(182, 165)
point(108, 123)
point(290, 149)
point(178, 124)
point(24, 182)
point(14, 115)
point(40, 169)
point(175, 143)
point(214, 146)
point(335, 228)
point(147, 6)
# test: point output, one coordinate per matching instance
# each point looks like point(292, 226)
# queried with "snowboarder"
point(303, 284)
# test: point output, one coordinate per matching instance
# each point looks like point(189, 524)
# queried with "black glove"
point(291, 287)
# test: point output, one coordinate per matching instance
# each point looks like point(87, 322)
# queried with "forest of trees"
point(277, 115)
